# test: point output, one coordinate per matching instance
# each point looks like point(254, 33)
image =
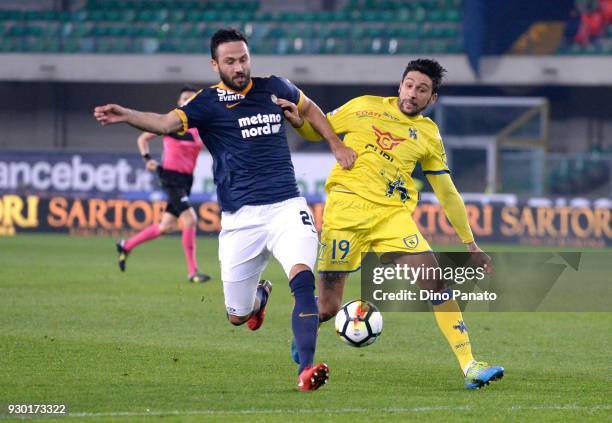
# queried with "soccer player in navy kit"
point(262, 212)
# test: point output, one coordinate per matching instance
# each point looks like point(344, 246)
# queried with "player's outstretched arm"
point(143, 147)
point(145, 121)
point(310, 112)
point(454, 208)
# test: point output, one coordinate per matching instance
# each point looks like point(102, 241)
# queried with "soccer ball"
point(359, 323)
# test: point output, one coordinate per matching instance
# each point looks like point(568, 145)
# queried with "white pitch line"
point(394, 410)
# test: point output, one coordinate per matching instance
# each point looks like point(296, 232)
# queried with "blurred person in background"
point(181, 150)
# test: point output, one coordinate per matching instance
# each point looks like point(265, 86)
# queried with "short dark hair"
point(225, 35)
point(188, 88)
point(429, 67)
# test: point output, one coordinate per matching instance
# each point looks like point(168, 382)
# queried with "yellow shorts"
point(353, 225)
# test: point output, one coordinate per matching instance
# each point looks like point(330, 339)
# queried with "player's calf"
point(328, 309)
point(331, 288)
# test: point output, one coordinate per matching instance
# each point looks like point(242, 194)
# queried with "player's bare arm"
point(454, 208)
point(345, 156)
point(143, 146)
point(146, 121)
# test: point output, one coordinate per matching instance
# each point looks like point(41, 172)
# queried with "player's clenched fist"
point(291, 112)
point(345, 156)
point(480, 258)
point(111, 113)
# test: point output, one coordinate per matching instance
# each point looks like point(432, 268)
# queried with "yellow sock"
point(450, 321)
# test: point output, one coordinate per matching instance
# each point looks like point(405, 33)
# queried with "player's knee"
point(189, 218)
point(237, 320)
point(298, 268)
point(167, 227)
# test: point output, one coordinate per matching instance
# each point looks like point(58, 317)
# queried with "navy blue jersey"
point(245, 135)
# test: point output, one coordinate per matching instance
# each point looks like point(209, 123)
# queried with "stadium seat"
point(69, 45)
point(377, 22)
point(276, 32)
point(340, 16)
point(373, 32)
point(340, 32)
point(452, 15)
point(263, 16)
point(147, 45)
point(86, 45)
point(80, 15)
point(419, 15)
point(435, 16)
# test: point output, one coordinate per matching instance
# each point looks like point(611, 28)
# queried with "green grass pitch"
point(147, 344)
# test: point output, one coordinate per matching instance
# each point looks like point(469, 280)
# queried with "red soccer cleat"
point(256, 320)
point(313, 377)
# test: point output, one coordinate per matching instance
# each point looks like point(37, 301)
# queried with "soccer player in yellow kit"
point(369, 208)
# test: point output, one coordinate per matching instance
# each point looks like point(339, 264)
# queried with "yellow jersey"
point(388, 144)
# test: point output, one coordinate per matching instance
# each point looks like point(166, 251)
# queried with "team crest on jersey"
point(412, 133)
point(227, 95)
point(386, 140)
point(411, 241)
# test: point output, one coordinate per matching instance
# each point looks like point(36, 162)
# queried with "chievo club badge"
point(411, 241)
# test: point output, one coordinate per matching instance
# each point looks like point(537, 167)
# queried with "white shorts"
point(250, 235)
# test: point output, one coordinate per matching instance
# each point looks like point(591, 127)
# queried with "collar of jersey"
point(243, 92)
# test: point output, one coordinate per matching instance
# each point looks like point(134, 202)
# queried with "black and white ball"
point(359, 323)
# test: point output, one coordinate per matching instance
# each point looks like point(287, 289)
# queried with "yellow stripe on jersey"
point(300, 102)
point(192, 97)
point(308, 132)
point(243, 92)
point(183, 117)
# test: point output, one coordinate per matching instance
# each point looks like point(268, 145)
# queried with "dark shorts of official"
point(177, 187)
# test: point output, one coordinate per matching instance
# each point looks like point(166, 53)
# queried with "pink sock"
point(189, 246)
point(146, 234)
